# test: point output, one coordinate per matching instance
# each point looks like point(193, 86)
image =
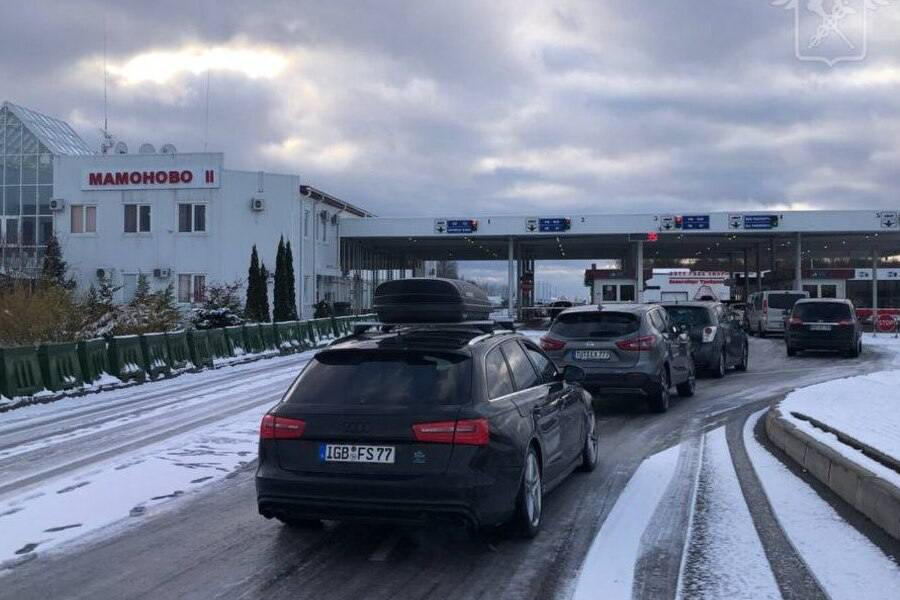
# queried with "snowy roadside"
point(105, 495)
point(865, 408)
point(844, 562)
point(109, 496)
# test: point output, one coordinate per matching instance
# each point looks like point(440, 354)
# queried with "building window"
point(137, 218)
point(306, 223)
point(191, 288)
point(191, 218)
point(84, 219)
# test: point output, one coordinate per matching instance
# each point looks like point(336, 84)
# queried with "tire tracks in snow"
point(793, 576)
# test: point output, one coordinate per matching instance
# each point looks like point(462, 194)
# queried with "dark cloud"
point(473, 107)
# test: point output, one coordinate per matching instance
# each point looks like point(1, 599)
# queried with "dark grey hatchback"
point(823, 324)
point(405, 422)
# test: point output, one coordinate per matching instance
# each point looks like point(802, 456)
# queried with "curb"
point(876, 498)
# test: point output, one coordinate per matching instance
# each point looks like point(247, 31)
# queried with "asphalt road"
point(217, 546)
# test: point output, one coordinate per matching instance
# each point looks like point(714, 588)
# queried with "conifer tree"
point(291, 292)
point(280, 301)
point(252, 307)
point(54, 268)
point(263, 293)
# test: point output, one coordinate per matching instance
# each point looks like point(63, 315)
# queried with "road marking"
point(384, 550)
point(608, 569)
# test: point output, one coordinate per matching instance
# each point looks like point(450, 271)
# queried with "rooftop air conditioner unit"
point(257, 204)
point(162, 273)
point(57, 204)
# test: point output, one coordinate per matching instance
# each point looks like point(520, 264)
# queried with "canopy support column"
point(511, 292)
point(798, 263)
point(874, 290)
point(639, 272)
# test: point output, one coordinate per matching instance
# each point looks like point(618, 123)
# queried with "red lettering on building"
point(146, 178)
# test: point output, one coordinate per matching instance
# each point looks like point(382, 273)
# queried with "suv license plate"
point(820, 327)
point(356, 454)
point(592, 355)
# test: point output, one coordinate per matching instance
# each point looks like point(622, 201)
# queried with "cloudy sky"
point(458, 108)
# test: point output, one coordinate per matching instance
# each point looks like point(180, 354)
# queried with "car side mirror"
point(573, 374)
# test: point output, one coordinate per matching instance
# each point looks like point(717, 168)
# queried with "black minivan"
point(406, 421)
point(823, 324)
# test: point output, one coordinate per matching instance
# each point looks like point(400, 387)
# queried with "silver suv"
point(631, 350)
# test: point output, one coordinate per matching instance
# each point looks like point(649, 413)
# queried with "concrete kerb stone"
point(871, 495)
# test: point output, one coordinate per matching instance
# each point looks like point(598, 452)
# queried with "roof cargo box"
point(430, 300)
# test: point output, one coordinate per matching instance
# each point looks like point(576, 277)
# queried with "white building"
point(179, 218)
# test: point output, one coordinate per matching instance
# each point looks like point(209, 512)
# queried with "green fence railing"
point(60, 367)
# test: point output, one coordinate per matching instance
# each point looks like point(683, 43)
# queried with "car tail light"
point(795, 322)
point(637, 344)
point(469, 432)
point(845, 323)
point(709, 333)
point(765, 305)
point(281, 428)
point(550, 344)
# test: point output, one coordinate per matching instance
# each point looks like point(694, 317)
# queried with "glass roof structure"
point(58, 136)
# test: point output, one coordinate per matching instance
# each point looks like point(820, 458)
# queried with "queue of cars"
point(435, 411)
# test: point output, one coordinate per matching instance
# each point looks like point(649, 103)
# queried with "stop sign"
point(885, 323)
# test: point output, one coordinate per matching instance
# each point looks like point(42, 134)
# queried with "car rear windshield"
point(691, 316)
point(384, 378)
point(595, 324)
point(784, 301)
point(822, 311)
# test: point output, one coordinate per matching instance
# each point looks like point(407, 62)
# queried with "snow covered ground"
point(845, 563)
point(866, 408)
point(97, 463)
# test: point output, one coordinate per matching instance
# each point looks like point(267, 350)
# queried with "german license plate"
point(820, 327)
point(592, 355)
point(354, 453)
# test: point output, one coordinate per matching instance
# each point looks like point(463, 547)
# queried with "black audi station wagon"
point(407, 421)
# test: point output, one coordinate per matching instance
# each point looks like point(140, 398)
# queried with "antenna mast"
point(206, 126)
point(107, 143)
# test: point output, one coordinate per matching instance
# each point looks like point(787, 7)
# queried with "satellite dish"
point(168, 149)
point(147, 149)
point(121, 148)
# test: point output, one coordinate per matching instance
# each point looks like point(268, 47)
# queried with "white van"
point(766, 311)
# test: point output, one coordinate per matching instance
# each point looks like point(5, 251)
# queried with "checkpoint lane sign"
point(440, 225)
point(889, 219)
point(666, 222)
point(735, 221)
point(531, 224)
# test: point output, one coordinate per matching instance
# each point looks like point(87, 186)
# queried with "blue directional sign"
point(462, 226)
point(554, 225)
point(695, 222)
point(760, 221)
